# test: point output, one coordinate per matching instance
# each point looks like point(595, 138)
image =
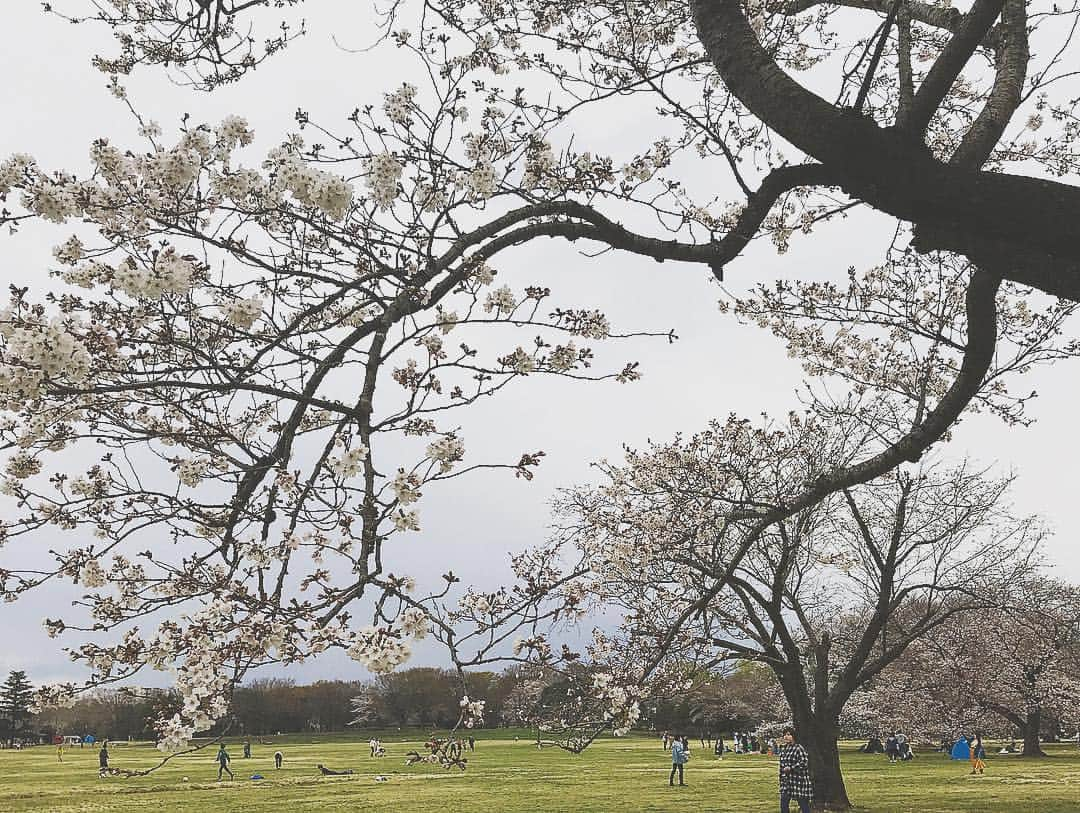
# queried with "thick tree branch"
point(943, 17)
point(982, 338)
point(951, 62)
point(715, 254)
point(961, 207)
point(903, 58)
point(1012, 61)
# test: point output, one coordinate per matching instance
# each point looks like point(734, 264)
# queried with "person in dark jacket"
point(892, 748)
point(329, 772)
point(794, 774)
point(103, 759)
point(223, 760)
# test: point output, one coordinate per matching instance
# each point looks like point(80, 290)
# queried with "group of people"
point(223, 759)
point(794, 765)
point(896, 747)
point(746, 743)
point(741, 743)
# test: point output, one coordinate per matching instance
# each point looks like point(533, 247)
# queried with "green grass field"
point(504, 775)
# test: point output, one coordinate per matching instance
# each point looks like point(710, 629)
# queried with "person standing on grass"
point(103, 759)
point(794, 774)
point(978, 755)
point(247, 749)
point(679, 757)
point(278, 757)
point(223, 760)
point(892, 748)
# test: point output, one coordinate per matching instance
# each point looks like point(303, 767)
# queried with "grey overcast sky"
point(57, 104)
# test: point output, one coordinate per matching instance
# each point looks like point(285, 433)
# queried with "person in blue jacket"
point(680, 755)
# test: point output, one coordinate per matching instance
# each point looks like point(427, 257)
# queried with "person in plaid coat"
point(794, 775)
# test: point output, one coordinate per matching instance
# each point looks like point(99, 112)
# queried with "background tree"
point(827, 599)
point(1016, 661)
point(422, 696)
point(16, 699)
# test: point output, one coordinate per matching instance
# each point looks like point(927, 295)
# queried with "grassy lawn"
point(504, 775)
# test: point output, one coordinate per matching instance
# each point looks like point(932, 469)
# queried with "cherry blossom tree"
point(258, 341)
point(1016, 661)
point(827, 598)
point(918, 696)
point(223, 338)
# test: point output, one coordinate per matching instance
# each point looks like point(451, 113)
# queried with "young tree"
point(826, 599)
point(366, 707)
point(16, 699)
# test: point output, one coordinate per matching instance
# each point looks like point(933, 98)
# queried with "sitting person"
point(327, 772)
point(873, 746)
point(906, 754)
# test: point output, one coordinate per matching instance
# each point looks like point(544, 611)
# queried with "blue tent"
point(89, 739)
point(961, 750)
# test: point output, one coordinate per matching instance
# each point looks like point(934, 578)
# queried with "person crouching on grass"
point(679, 757)
point(794, 774)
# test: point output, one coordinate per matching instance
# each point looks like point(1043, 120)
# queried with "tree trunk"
point(1053, 729)
point(818, 737)
point(1032, 748)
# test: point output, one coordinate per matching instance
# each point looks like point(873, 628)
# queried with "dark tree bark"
point(1032, 744)
point(817, 731)
point(1028, 724)
point(1053, 729)
point(1024, 224)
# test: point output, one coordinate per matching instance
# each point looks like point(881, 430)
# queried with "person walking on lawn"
point(794, 774)
point(680, 755)
point(223, 760)
point(978, 755)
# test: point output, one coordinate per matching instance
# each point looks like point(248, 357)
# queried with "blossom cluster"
point(446, 451)
point(350, 462)
point(472, 711)
point(379, 649)
point(384, 171)
point(308, 184)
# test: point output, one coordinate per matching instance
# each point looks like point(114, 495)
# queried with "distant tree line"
point(423, 696)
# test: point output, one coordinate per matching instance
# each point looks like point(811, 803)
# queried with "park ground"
point(506, 775)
